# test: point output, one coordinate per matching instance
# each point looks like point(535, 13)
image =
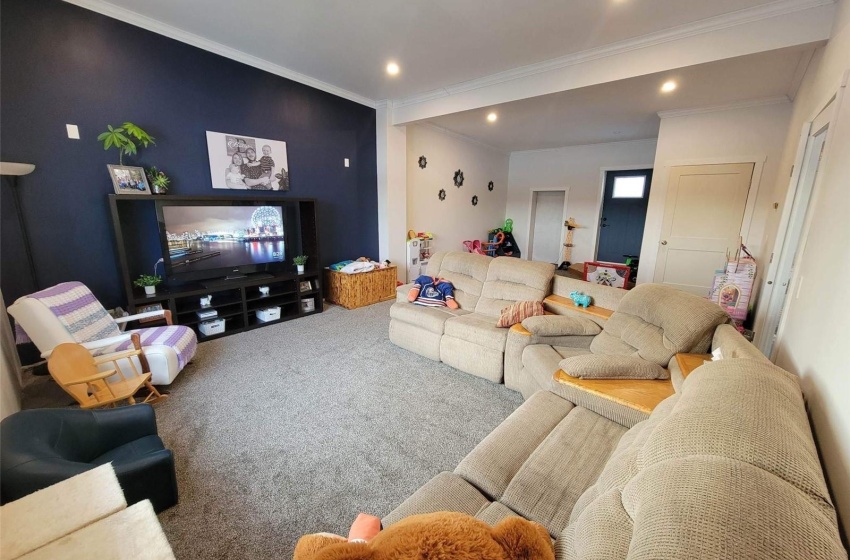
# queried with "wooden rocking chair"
point(76, 371)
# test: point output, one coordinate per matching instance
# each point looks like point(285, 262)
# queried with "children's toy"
point(580, 299)
point(733, 285)
point(435, 536)
point(490, 247)
point(607, 274)
point(432, 292)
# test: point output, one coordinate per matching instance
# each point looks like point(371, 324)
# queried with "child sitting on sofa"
point(432, 292)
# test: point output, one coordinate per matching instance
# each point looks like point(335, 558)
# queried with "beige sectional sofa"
point(725, 468)
point(467, 338)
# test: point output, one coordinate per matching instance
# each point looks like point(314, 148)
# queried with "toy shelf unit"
point(216, 307)
point(419, 252)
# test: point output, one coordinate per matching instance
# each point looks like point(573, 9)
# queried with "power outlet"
point(73, 131)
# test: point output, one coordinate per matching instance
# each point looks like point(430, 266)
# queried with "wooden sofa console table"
point(639, 394)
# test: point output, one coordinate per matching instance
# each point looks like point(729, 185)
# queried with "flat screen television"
point(213, 239)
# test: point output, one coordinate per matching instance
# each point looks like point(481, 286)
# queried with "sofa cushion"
point(432, 319)
point(494, 512)
point(445, 492)
point(727, 467)
point(599, 366)
point(569, 460)
point(510, 280)
point(655, 322)
point(518, 312)
point(478, 329)
point(561, 325)
point(466, 271)
point(499, 456)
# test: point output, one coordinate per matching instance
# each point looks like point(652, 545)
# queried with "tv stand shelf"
point(235, 300)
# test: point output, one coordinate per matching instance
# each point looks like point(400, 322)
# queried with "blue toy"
point(580, 299)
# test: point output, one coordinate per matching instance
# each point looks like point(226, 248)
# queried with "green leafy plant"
point(159, 181)
point(125, 139)
point(147, 280)
point(300, 260)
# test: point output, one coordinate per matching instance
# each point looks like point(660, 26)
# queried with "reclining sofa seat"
point(727, 467)
point(651, 324)
point(468, 338)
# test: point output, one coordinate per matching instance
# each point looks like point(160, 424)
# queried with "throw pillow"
point(561, 325)
point(518, 312)
point(598, 366)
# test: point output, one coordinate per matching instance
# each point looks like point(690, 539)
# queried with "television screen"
point(201, 238)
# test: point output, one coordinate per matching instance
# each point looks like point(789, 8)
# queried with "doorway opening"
point(625, 199)
point(546, 226)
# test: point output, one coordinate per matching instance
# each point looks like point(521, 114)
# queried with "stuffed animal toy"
point(436, 536)
point(580, 299)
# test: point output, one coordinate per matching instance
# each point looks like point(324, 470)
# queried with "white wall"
point(392, 189)
point(754, 134)
point(817, 328)
point(455, 219)
point(579, 168)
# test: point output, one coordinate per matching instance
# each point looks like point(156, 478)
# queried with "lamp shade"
point(10, 168)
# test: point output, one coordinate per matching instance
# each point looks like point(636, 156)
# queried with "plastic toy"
point(580, 299)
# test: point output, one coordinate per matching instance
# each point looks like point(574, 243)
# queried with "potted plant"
point(158, 180)
point(148, 282)
point(300, 261)
point(124, 139)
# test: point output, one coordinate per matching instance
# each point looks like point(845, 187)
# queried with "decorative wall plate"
point(442, 194)
point(475, 200)
point(423, 161)
point(458, 178)
point(490, 186)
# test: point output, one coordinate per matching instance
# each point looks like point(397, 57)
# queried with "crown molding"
point(717, 23)
point(653, 139)
point(459, 136)
point(156, 26)
point(726, 107)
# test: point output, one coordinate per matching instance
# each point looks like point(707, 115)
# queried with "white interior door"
point(792, 240)
point(702, 223)
point(548, 218)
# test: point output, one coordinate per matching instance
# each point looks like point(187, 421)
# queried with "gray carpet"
point(297, 427)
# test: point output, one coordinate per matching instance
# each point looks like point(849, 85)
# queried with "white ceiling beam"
point(773, 26)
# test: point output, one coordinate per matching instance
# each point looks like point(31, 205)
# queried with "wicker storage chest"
point(358, 290)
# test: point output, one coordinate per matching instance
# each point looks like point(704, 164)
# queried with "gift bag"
point(733, 285)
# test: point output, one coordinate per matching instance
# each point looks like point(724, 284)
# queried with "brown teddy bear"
point(436, 536)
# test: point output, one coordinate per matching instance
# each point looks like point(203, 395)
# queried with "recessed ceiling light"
point(668, 86)
point(492, 117)
point(393, 69)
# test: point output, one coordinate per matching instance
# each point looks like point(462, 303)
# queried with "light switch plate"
point(346, 162)
point(73, 131)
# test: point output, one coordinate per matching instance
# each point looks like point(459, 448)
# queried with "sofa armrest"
point(561, 325)
point(401, 292)
point(119, 426)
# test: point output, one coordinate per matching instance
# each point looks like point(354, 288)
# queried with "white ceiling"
point(438, 43)
point(627, 109)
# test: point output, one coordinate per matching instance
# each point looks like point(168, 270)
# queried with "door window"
point(629, 187)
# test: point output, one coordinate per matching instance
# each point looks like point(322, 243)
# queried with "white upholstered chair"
point(69, 312)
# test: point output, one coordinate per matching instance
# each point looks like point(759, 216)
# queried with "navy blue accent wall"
point(64, 64)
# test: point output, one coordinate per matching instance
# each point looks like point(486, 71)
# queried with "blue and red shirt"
point(433, 292)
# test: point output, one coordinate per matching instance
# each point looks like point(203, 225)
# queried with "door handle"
point(604, 225)
point(664, 242)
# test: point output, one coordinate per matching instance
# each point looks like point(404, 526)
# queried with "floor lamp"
point(15, 170)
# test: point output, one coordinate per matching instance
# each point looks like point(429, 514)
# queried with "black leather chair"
point(41, 447)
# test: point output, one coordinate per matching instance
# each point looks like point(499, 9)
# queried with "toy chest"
point(359, 290)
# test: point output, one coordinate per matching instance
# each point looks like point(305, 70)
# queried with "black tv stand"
point(239, 301)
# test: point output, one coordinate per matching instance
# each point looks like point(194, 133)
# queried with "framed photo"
point(128, 180)
point(147, 309)
point(247, 163)
point(304, 286)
